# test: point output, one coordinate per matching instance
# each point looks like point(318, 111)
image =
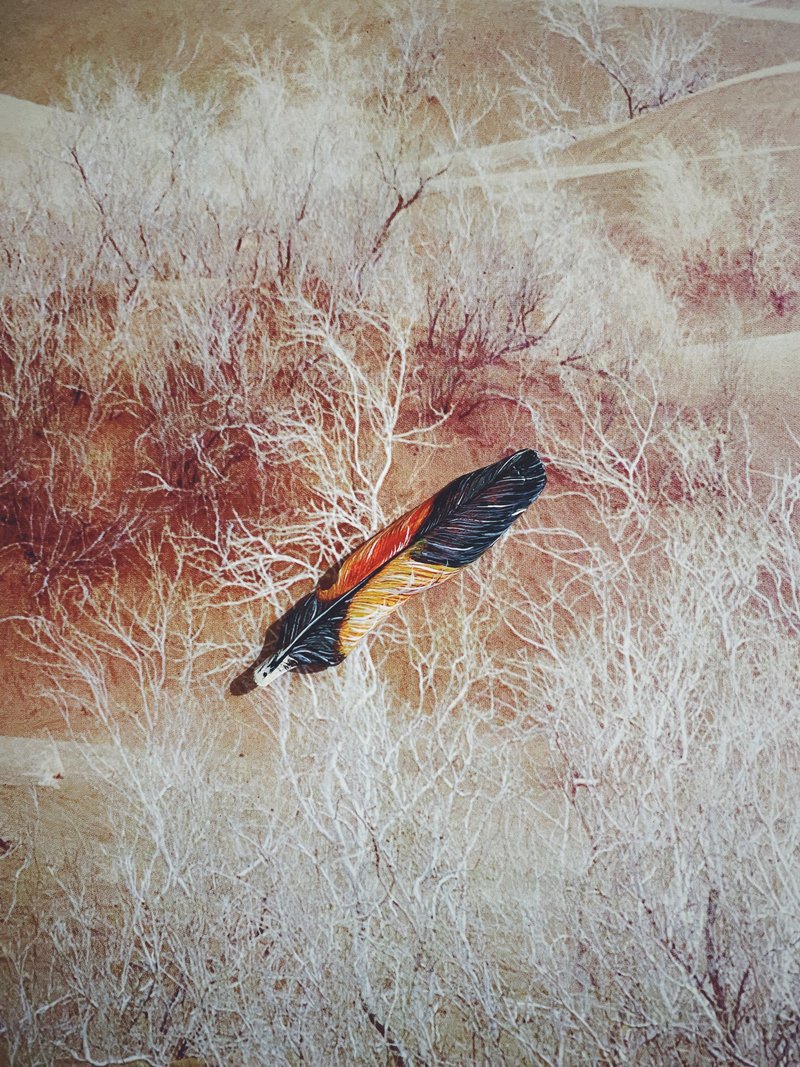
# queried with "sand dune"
point(766, 368)
point(26, 129)
point(20, 120)
point(760, 106)
point(764, 115)
point(30, 761)
point(591, 170)
point(710, 7)
point(48, 762)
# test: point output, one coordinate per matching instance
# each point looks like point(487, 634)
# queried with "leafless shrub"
point(337, 154)
point(727, 233)
point(137, 222)
point(516, 285)
point(658, 62)
point(488, 301)
point(684, 628)
point(545, 115)
point(69, 519)
point(405, 73)
point(345, 424)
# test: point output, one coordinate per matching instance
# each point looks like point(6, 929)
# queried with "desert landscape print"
point(273, 275)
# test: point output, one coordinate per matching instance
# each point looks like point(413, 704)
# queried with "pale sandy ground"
point(762, 105)
point(45, 761)
point(742, 10)
point(27, 131)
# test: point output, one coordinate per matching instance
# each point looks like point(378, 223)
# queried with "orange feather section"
point(391, 586)
point(375, 552)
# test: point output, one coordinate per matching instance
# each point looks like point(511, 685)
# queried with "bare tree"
point(657, 62)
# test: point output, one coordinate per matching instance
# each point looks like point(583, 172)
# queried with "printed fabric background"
point(273, 274)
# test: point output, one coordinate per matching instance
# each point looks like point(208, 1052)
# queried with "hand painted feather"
point(425, 546)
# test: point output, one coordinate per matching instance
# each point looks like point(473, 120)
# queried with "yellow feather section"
point(391, 586)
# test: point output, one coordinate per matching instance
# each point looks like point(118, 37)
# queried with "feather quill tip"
point(266, 673)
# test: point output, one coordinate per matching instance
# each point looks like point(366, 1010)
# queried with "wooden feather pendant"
point(425, 546)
